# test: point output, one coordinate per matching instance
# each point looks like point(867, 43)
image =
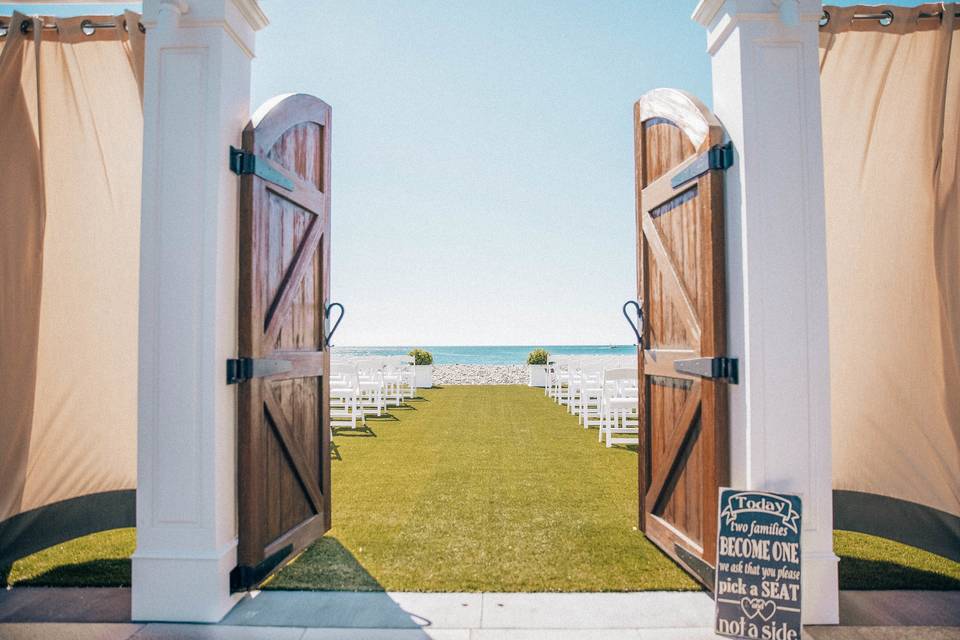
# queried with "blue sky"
point(482, 156)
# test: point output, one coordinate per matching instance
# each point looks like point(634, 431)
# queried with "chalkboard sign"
point(758, 565)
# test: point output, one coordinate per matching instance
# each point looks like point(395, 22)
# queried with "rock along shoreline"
point(449, 374)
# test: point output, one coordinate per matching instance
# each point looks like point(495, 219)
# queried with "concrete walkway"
point(29, 613)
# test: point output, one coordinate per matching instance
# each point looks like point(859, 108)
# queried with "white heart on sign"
point(754, 607)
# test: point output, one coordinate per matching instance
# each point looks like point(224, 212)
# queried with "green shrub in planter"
point(538, 356)
point(421, 357)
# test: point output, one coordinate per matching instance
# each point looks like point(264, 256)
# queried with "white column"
point(196, 103)
point(766, 91)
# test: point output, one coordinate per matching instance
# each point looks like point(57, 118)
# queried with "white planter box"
point(536, 375)
point(424, 375)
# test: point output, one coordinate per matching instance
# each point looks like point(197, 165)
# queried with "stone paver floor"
point(79, 614)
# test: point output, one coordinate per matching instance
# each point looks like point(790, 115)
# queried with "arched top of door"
point(683, 110)
point(274, 116)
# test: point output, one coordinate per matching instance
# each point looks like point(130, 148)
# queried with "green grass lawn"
point(482, 489)
point(489, 488)
point(97, 560)
point(871, 563)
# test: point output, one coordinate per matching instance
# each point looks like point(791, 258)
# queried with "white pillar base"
point(820, 597)
point(183, 588)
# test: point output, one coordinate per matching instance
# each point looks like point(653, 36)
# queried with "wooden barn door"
point(283, 415)
point(683, 372)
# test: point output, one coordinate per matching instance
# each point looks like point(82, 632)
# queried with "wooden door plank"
point(284, 433)
point(660, 191)
point(668, 538)
point(671, 279)
point(304, 194)
point(306, 364)
point(676, 536)
point(301, 535)
point(251, 446)
point(714, 404)
point(675, 445)
point(659, 362)
point(643, 410)
point(294, 275)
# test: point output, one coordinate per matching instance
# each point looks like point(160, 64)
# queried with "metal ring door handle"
point(636, 331)
point(336, 324)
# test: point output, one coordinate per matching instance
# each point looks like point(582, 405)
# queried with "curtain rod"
point(89, 27)
point(885, 18)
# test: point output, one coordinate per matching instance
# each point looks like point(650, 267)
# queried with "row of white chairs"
point(361, 387)
point(602, 393)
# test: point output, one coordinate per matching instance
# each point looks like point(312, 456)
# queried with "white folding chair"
point(552, 387)
point(591, 393)
point(571, 397)
point(547, 378)
point(408, 376)
point(392, 377)
point(345, 409)
point(370, 384)
point(620, 416)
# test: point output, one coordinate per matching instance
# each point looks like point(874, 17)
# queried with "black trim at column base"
point(701, 570)
point(908, 522)
point(242, 577)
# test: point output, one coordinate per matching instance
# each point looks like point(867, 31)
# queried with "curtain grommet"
point(25, 27)
point(824, 18)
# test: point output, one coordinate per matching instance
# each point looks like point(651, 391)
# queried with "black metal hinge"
point(245, 163)
point(724, 369)
point(717, 157)
point(242, 369)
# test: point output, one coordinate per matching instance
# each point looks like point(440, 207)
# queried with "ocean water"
point(489, 355)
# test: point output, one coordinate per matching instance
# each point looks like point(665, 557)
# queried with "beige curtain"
point(70, 158)
point(891, 125)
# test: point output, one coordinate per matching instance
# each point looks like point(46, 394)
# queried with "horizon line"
point(531, 344)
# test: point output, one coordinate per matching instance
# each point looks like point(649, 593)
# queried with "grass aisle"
point(482, 488)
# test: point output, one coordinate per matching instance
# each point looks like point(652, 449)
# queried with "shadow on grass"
point(386, 417)
point(326, 565)
point(404, 407)
point(881, 575)
point(108, 572)
point(349, 432)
